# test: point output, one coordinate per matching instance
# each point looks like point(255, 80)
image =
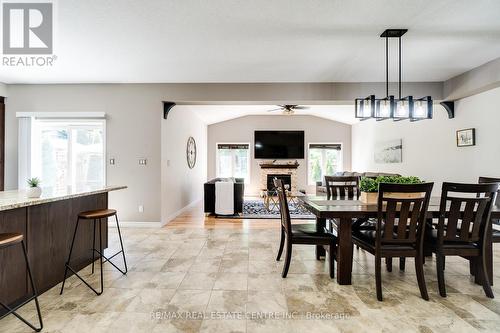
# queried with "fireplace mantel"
point(278, 166)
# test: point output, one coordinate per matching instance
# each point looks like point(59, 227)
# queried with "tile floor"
point(209, 275)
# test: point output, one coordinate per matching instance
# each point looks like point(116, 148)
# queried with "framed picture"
point(389, 151)
point(466, 137)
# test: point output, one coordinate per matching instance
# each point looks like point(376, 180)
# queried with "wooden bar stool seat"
point(97, 216)
point(11, 239)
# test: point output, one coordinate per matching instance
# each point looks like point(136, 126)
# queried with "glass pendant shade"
point(404, 108)
point(384, 108)
point(422, 109)
point(365, 107)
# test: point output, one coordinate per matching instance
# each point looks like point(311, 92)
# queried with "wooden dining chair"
point(399, 232)
point(342, 187)
point(495, 236)
point(301, 234)
point(462, 226)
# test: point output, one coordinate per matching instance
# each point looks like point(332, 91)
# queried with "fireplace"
point(285, 178)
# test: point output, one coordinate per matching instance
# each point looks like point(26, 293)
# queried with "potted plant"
point(369, 187)
point(34, 190)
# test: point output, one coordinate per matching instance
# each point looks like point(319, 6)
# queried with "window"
point(68, 153)
point(324, 160)
point(233, 160)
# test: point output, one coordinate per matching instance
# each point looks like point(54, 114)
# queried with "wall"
point(429, 147)
point(3, 89)
point(181, 186)
point(134, 116)
point(317, 130)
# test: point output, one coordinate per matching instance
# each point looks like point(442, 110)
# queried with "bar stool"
point(97, 216)
point(11, 239)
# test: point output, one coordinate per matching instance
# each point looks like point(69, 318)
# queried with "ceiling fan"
point(288, 109)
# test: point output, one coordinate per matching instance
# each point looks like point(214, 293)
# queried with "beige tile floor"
point(218, 275)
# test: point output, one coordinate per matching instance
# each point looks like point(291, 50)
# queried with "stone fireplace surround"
point(278, 169)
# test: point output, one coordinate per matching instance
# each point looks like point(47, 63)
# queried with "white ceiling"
point(263, 40)
point(211, 114)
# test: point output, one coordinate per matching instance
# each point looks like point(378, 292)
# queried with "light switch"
point(142, 161)
point(112, 161)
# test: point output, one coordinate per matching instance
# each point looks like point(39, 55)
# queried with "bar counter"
point(47, 224)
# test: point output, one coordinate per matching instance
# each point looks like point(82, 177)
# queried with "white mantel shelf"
point(18, 199)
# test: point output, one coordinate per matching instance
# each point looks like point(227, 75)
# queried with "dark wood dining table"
point(345, 211)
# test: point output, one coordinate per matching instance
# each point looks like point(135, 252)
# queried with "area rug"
point(255, 209)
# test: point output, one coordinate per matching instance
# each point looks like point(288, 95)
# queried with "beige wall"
point(317, 130)
point(429, 147)
point(181, 186)
point(134, 116)
point(3, 89)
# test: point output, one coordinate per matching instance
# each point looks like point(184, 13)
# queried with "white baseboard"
point(179, 212)
point(134, 224)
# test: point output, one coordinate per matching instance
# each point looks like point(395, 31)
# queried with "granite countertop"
point(17, 198)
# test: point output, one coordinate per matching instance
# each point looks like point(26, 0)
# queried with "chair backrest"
point(342, 187)
point(465, 211)
point(483, 180)
point(284, 211)
point(402, 210)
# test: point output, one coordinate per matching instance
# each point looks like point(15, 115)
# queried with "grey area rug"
point(255, 209)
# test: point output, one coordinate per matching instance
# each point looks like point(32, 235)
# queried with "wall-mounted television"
point(279, 144)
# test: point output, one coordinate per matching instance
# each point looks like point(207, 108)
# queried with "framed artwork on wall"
point(389, 151)
point(466, 137)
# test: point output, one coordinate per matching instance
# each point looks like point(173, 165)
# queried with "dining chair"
point(399, 232)
point(495, 236)
point(301, 234)
point(464, 214)
point(342, 187)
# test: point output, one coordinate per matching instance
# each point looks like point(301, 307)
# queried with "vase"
point(34, 192)
point(369, 197)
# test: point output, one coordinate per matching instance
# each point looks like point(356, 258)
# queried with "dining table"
point(345, 212)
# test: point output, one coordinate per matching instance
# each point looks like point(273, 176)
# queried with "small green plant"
point(371, 185)
point(33, 182)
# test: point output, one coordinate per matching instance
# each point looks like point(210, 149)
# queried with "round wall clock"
point(191, 152)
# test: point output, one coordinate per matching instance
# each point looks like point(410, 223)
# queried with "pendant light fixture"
point(389, 107)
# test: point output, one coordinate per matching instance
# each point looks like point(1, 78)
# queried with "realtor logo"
point(27, 28)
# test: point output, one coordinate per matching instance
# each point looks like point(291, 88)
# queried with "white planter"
point(34, 192)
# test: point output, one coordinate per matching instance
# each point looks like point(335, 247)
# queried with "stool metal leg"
point(93, 249)
point(101, 255)
point(34, 297)
point(69, 257)
point(121, 244)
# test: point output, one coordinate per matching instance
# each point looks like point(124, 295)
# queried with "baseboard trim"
point(134, 224)
point(179, 212)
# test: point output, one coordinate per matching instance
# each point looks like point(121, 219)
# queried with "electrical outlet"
point(141, 209)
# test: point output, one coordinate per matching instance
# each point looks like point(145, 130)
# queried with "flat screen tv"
point(279, 144)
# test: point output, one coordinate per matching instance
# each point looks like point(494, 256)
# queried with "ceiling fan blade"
point(301, 107)
point(274, 110)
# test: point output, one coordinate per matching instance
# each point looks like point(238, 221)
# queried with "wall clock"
point(191, 152)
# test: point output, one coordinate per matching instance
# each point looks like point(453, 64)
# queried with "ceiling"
point(123, 41)
point(211, 114)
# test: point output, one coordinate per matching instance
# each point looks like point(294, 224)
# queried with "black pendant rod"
point(387, 66)
point(399, 67)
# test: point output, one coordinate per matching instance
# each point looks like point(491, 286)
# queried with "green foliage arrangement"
point(33, 182)
point(371, 185)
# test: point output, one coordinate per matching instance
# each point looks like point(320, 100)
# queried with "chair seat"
point(453, 244)
point(368, 238)
point(364, 224)
point(309, 231)
point(97, 214)
point(9, 239)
